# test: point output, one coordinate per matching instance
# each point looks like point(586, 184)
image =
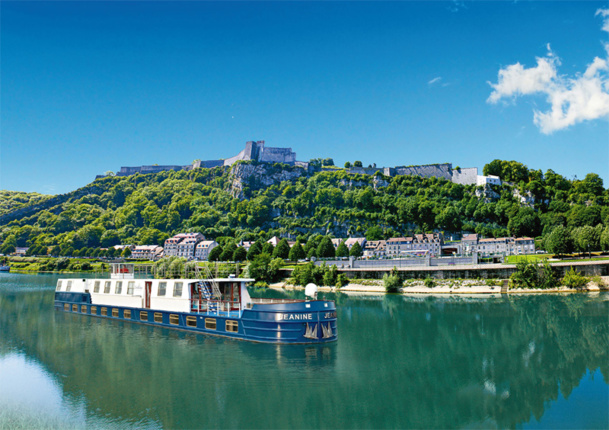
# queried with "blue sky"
point(87, 87)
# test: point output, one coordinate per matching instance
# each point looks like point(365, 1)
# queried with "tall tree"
point(325, 248)
point(342, 250)
point(356, 250)
point(283, 249)
point(296, 252)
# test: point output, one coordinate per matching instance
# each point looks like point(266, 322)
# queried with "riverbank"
point(463, 287)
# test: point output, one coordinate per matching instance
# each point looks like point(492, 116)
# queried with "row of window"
point(118, 288)
point(191, 321)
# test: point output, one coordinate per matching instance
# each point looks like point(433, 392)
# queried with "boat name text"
point(294, 317)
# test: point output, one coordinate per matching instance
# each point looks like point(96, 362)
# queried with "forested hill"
point(13, 200)
point(247, 201)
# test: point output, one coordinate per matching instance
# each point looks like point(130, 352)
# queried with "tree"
point(325, 249)
point(604, 241)
point(342, 250)
point(357, 164)
point(268, 248)
point(327, 162)
point(283, 249)
point(255, 249)
point(356, 250)
point(228, 251)
point(559, 241)
point(9, 245)
point(374, 233)
point(126, 252)
point(586, 238)
point(215, 253)
point(347, 165)
point(240, 254)
point(525, 222)
point(264, 267)
point(296, 252)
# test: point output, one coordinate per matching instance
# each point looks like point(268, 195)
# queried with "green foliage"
point(392, 282)
point(240, 254)
point(357, 164)
point(374, 233)
point(342, 250)
point(574, 279)
point(534, 274)
point(356, 250)
point(283, 250)
point(228, 251)
point(255, 249)
point(325, 248)
point(296, 252)
point(559, 241)
point(348, 165)
point(264, 267)
point(215, 253)
point(341, 280)
point(429, 282)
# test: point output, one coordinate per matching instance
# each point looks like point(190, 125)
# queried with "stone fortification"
point(466, 176)
point(255, 176)
point(427, 171)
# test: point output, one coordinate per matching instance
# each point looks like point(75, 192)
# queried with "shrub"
point(574, 279)
point(392, 283)
point(261, 284)
point(341, 280)
point(429, 282)
point(600, 282)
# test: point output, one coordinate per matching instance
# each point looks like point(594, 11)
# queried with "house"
point(419, 244)
point(375, 248)
point(204, 248)
point(352, 240)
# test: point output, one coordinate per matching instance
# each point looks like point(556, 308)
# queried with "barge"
point(214, 306)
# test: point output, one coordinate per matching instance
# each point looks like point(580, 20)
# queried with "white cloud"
point(434, 80)
point(573, 100)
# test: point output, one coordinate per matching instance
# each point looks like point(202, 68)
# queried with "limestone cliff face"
point(256, 176)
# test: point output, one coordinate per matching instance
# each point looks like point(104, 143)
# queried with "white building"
point(147, 252)
point(204, 248)
point(490, 180)
point(375, 248)
point(183, 245)
point(418, 244)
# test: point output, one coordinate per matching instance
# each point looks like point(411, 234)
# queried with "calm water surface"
point(400, 362)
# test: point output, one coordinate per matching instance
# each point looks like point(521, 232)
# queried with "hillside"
point(12, 200)
point(250, 200)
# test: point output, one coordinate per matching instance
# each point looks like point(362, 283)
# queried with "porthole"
point(66, 307)
point(191, 321)
point(127, 313)
point(115, 312)
point(83, 309)
point(158, 317)
point(143, 316)
point(104, 311)
point(93, 310)
point(74, 308)
point(174, 319)
point(210, 323)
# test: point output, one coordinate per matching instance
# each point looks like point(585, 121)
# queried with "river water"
point(536, 361)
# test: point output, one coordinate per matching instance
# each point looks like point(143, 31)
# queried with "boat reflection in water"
point(419, 362)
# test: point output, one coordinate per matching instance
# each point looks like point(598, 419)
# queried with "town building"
point(204, 248)
point(375, 248)
point(498, 245)
point(417, 245)
point(147, 252)
point(182, 245)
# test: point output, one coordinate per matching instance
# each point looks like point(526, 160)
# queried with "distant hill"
point(250, 200)
point(12, 200)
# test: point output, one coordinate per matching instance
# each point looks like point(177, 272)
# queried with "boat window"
point(58, 285)
point(115, 312)
point(69, 287)
point(74, 308)
point(174, 319)
point(232, 326)
point(94, 310)
point(191, 321)
point(162, 288)
point(119, 287)
point(104, 311)
point(210, 323)
point(158, 317)
point(66, 307)
point(83, 309)
point(96, 287)
point(143, 316)
point(177, 289)
point(127, 313)
point(130, 286)
point(107, 287)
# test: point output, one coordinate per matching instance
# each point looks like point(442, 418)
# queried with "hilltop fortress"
point(256, 151)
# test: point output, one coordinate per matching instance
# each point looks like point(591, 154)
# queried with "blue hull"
point(297, 322)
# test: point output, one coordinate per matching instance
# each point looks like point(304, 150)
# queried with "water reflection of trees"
point(400, 362)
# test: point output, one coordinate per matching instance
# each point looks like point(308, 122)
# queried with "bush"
point(429, 282)
point(574, 279)
point(341, 280)
point(261, 284)
point(598, 281)
point(392, 283)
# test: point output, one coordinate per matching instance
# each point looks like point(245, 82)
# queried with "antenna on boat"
point(311, 291)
